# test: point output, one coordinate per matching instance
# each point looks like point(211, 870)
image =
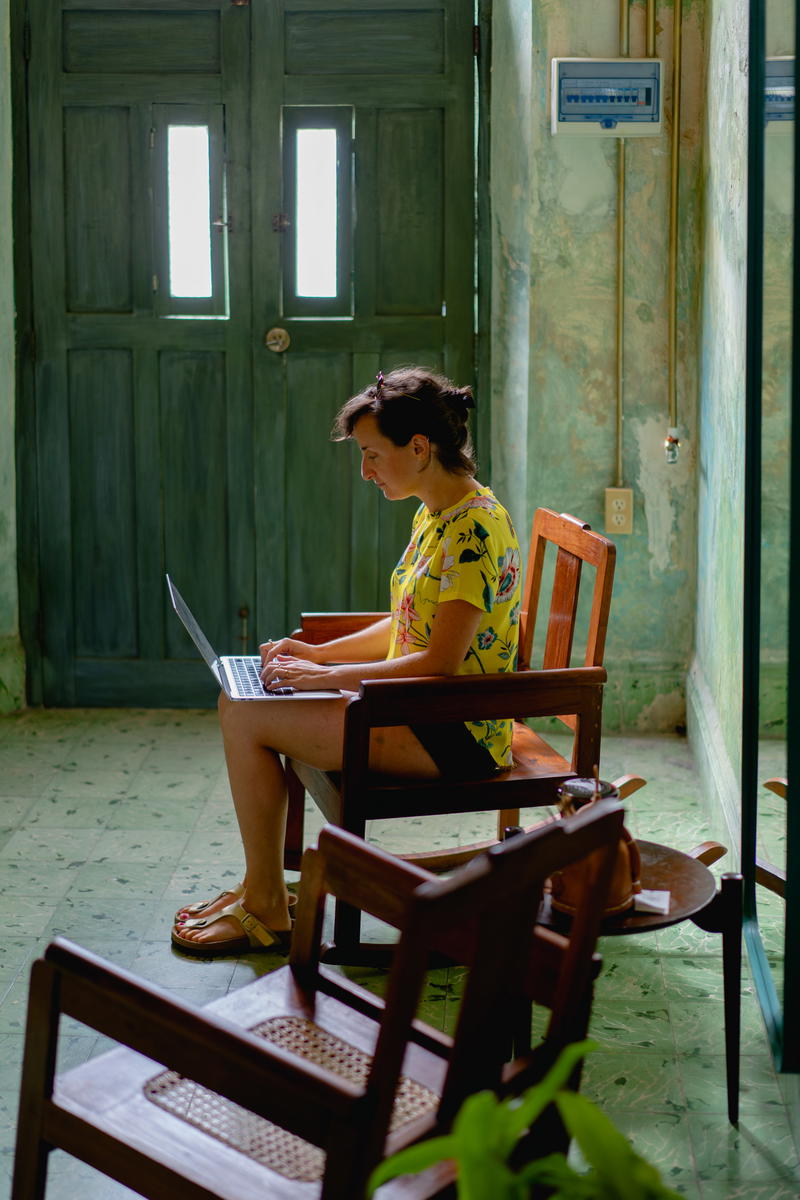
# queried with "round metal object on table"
point(690, 883)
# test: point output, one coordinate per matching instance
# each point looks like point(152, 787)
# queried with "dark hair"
point(413, 400)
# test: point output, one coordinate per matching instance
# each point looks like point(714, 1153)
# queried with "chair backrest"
point(576, 544)
point(483, 915)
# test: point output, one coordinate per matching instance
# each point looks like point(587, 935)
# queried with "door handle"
point(277, 340)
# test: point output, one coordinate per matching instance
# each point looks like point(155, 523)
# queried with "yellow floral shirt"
point(467, 552)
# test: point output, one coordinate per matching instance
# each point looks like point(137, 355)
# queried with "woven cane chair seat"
point(261, 1140)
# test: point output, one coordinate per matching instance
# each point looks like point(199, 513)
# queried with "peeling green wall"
point(510, 174)
point(12, 685)
point(715, 678)
point(776, 390)
point(554, 394)
point(715, 684)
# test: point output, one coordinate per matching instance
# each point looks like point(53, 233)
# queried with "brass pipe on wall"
point(624, 51)
point(672, 254)
point(650, 40)
point(620, 320)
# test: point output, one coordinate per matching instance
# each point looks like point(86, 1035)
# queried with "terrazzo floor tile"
point(729, 1189)
point(51, 845)
point(139, 845)
point(192, 882)
point(42, 880)
point(619, 985)
point(168, 968)
point(67, 1178)
point(633, 1082)
point(112, 877)
point(696, 979)
point(633, 1026)
point(10, 1059)
point(703, 1078)
point(761, 1149)
point(699, 1028)
point(109, 820)
point(86, 918)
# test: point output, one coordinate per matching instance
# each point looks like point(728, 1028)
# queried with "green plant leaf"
point(411, 1160)
point(524, 1111)
point(620, 1171)
point(482, 1178)
point(604, 1147)
point(554, 1172)
point(481, 1127)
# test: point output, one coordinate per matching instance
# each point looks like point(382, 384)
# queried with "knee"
point(225, 710)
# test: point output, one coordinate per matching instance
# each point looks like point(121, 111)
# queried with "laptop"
point(237, 674)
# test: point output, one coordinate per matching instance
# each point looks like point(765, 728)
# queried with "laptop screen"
point(192, 628)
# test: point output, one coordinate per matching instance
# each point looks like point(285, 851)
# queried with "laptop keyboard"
point(248, 680)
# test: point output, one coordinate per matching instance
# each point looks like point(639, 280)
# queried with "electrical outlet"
point(619, 510)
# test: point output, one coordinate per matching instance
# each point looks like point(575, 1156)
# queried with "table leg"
point(724, 915)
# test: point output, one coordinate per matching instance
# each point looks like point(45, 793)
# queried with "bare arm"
point(363, 646)
point(454, 627)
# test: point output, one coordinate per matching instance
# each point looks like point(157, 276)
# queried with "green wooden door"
point(184, 426)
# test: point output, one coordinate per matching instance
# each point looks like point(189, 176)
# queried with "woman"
point(454, 610)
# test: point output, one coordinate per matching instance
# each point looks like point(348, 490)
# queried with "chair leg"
point(724, 915)
point(38, 1071)
point(293, 846)
point(732, 894)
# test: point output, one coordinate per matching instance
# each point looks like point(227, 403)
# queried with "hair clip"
point(379, 386)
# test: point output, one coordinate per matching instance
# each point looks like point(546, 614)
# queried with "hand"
point(286, 670)
point(287, 646)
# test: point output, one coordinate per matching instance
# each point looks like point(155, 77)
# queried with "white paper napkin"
point(650, 901)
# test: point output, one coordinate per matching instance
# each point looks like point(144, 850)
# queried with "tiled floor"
point(109, 819)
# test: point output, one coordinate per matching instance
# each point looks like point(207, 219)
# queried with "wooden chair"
point(287, 1087)
point(574, 695)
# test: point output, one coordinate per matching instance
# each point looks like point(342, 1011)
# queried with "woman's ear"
point(421, 445)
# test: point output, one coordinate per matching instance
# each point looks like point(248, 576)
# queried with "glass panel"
point(315, 213)
point(189, 218)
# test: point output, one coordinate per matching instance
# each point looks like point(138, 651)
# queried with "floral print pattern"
point(467, 552)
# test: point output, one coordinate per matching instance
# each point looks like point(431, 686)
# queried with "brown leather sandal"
point(255, 935)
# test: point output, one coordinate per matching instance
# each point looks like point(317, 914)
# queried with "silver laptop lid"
point(193, 629)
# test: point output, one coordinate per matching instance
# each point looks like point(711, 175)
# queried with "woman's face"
point(394, 469)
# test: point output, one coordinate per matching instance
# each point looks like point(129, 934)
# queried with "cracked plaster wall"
point(554, 389)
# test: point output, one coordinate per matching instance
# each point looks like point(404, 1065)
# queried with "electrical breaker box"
point(606, 97)
point(779, 89)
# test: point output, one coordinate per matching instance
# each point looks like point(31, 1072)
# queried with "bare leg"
point(255, 735)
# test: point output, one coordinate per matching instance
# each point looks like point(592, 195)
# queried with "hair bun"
point(461, 400)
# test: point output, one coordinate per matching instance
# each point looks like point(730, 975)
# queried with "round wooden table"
point(693, 896)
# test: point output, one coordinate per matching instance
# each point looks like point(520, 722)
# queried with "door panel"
point(101, 426)
point(410, 278)
point(168, 435)
point(97, 209)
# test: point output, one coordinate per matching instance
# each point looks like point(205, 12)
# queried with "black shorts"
point(455, 751)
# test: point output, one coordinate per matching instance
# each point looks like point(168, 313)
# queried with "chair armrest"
point(556, 692)
point(196, 1042)
point(440, 698)
point(324, 627)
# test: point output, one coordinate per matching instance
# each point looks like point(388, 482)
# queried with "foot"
point(236, 928)
point(207, 908)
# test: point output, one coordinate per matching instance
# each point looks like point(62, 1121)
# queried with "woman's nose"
point(366, 470)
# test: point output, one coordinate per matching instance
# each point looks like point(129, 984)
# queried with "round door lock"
point(277, 340)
